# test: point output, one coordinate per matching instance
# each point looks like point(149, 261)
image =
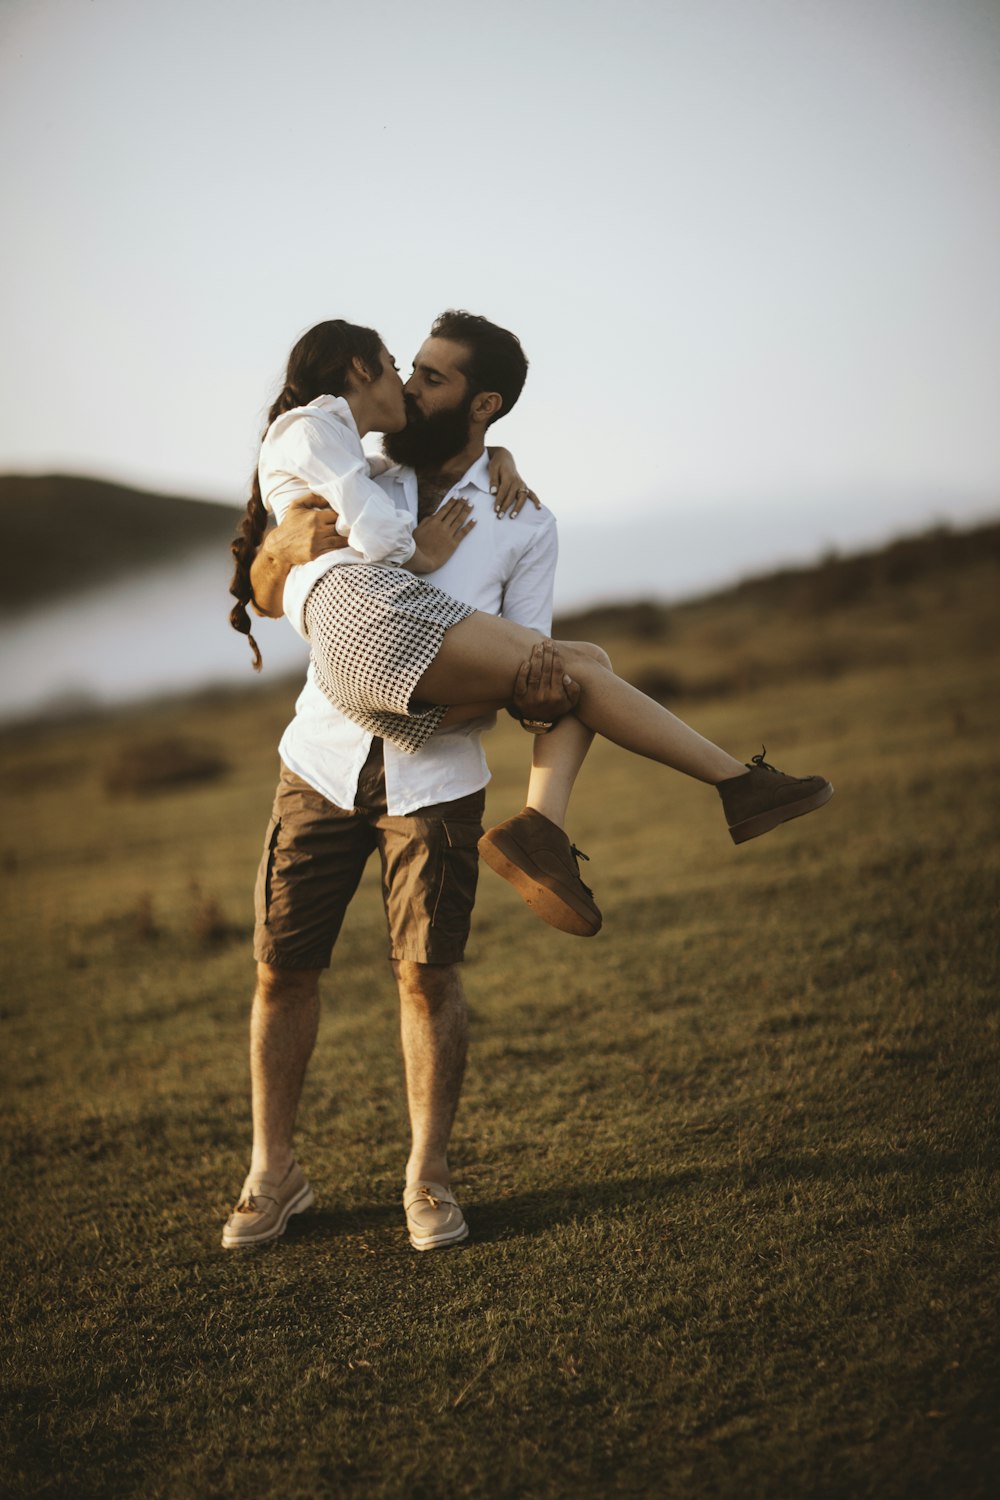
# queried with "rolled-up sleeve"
point(306, 446)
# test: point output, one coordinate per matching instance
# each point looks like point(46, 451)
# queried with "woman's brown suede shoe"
point(541, 864)
point(762, 798)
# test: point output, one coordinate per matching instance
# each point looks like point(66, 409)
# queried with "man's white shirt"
point(504, 567)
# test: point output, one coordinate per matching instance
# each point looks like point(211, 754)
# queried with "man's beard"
point(429, 442)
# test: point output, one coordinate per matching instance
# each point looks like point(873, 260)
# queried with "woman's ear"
point(360, 371)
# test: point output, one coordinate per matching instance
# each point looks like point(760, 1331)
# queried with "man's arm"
point(308, 530)
point(541, 693)
point(527, 592)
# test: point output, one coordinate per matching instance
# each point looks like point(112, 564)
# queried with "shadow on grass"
point(339, 1223)
point(512, 1215)
point(521, 1215)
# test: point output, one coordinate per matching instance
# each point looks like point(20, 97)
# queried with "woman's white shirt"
point(316, 449)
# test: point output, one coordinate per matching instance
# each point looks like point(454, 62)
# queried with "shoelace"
point(578, 854)
point(247, 1205)
point(759, 761)
point(425, 1192)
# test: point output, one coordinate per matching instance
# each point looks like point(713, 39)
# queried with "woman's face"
point(389, 413)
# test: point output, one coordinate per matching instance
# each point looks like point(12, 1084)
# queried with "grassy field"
point(730, 1168)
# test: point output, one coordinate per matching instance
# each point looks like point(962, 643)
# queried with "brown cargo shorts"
point(315, 852)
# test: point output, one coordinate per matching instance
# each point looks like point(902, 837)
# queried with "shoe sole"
point(440, 1241)
point(752, 828)
point(544, 902)
point(298, 1205)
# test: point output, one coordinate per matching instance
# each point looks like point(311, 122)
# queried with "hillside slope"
point(729, 1166)
point(61, 532)
point(813, 590)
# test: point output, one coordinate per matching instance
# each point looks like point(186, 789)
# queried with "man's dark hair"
point(496, 361)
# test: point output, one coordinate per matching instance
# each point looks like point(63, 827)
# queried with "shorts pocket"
point(265, 873)
point(459, 874)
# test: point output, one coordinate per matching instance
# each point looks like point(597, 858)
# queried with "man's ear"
point(486, 406)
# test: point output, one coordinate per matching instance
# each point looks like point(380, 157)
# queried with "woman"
point(401, 657)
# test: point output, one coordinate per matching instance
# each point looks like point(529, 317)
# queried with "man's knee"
point(287, 987)
point(427, 985)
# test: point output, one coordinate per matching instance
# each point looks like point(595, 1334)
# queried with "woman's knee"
point(585, 651)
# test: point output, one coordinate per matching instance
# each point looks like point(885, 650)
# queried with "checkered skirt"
point(374, 630)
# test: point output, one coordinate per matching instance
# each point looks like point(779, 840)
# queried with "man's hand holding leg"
point(543, 690)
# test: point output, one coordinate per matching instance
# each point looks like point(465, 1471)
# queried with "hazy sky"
point(752, 247)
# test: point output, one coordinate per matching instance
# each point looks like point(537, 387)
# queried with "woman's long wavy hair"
point(319, 365)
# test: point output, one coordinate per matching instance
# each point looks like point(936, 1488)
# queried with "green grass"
point(730, 1168)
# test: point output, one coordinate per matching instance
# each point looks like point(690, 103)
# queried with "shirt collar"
point(476, 476)
point(337, 406)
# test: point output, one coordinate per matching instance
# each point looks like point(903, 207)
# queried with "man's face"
point(438, 402)
point(439, 380)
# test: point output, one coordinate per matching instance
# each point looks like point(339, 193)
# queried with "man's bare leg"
point(434, 1027)
point(283, 1025)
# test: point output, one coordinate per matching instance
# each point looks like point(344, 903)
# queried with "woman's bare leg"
point(555, 764)
point(482, 655)
point(479, 660)
point(558, 756)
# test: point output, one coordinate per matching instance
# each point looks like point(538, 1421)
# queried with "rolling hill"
point(62, 533)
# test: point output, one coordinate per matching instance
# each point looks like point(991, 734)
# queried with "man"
point(342, 794)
